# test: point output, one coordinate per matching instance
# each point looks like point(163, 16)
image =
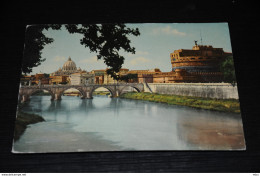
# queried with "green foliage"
point(196, 102)
point(35, 40)
point(128, 77)
point(46, 75)
point(101, 93)
point(104, 39)
point(228, 70)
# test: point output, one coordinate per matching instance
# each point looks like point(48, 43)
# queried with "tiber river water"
point(115, 124)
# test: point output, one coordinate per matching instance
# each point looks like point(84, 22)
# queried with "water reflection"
point(121, 124)
point(212, 132)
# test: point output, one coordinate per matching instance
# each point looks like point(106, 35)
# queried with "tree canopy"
point(35, 41)
point(129, 77)
point(228, 70)
point(104, 39)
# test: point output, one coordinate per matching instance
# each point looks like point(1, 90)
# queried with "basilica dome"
point(68, 68)
point(69, 65)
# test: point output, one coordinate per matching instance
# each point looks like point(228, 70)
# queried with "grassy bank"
point(196, 102)
point(23, 119)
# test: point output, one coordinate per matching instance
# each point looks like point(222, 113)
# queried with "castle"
point(200, 64)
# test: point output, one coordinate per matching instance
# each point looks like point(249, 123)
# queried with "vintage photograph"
point(128, 87)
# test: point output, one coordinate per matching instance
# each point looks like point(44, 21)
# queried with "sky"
point(153, 46)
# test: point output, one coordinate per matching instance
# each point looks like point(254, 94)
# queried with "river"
point(116, 124)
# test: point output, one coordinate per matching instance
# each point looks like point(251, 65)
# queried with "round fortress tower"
point(201, 58)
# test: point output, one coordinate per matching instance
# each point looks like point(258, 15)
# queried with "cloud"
point(90, 60)
point(139, 60)
point(168, 31)
point(59, 58)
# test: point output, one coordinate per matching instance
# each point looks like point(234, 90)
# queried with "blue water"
point(115, 124)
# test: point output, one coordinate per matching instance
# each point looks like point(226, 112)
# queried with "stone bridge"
point(56, 91)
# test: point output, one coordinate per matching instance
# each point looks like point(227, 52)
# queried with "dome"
point(69, 65)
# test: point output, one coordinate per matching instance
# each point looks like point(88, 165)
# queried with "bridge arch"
point(40, 90)
point(113, 94)
point(127, 86)
point(83, 94)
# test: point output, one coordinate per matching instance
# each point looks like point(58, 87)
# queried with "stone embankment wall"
point(206, 90)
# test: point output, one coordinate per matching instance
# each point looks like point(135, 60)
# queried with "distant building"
point(41, 78)
point(109, 80)
point(101, 76)
point(145, 75)
point(27, 79)
point(82, 78)
point(57, 79)
point(98, 76)
point(150, 71)
point(174, 77)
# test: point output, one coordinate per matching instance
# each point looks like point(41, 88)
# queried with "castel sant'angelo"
point(200, 64)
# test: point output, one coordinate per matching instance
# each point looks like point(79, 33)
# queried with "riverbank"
point(229, 105)
point(23, 119)
point(101, 93)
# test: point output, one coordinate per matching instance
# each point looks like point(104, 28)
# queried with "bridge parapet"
point(83, 85)
point(86, 90)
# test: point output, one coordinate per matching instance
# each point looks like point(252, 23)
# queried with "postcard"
point(128, 87)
